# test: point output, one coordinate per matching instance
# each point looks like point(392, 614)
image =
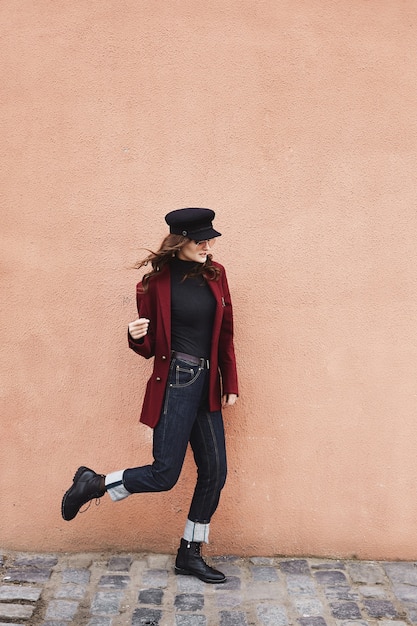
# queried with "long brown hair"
point(168, 249)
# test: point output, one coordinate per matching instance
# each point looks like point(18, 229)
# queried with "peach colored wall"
point(294, 120)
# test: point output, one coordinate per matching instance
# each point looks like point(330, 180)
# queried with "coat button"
point(164, 358)
point(158, 378)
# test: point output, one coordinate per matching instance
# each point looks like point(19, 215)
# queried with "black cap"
point(193, 223)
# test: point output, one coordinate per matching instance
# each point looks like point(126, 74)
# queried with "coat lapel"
point(216, 290)
point(164, 303)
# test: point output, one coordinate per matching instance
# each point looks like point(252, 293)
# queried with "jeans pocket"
point(182, 376)
point(185, 375)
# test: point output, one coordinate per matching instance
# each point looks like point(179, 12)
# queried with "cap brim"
point(209, 233)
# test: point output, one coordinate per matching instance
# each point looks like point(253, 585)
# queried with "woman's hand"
point(138, 328)
point(228, 400)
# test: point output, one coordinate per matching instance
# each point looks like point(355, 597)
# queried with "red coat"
point(155, 304)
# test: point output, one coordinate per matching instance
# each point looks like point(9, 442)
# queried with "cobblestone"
point(345, 610)
point(146, 617)
point(27, 575)
point(368, 573)
point(17, 592)
point(189, 602)
point(190, 620)
point(71, 591)
point(151, 596)
point(120, 563)
point(300, 586)
point(99, 621)
point(76, 576)
point(264, 574)
point(143, 590)
point(61, 609)
point(106, 603)
point(15, 611)
point(272, 615)
point(294, 567)
point(114, 582)
point(312, 621)
point(308, 607)
point(380, 608)
point(232, 618)
point(155, 578)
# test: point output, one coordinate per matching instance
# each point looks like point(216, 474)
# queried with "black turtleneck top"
point(192, 311)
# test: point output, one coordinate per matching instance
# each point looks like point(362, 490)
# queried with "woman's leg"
point(208, 444)
point(209, 449)
point(186, 385)
point(185, 389)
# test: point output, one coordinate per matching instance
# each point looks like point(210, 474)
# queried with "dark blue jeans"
point(185, 418)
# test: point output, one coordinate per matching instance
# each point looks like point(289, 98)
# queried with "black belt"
point(193, 360)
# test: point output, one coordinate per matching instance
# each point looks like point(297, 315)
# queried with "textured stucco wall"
point(296, 122)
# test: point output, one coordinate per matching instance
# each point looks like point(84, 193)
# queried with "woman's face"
point(196, 251)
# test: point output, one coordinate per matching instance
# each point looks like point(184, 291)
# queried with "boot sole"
point(77, 475)
point(186, 572)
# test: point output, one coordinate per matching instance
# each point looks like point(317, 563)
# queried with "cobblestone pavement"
point(142, 589)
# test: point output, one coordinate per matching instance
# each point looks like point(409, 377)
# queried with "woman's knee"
point(223, 476)
point(214, 478)
point(166, 480)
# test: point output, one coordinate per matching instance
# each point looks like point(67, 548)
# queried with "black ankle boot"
point(190, 562)
point(86, 486)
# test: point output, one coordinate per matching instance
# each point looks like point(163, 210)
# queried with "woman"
point(185, 322)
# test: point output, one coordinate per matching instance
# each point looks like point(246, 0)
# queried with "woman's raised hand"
point(138, 328)
point(228, 399)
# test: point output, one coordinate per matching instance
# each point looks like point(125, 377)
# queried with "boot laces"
point(96, 502)
point(197, 549)
point(96, 497)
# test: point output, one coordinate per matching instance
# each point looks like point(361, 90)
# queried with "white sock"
point(194, 531)
point(115, 487)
